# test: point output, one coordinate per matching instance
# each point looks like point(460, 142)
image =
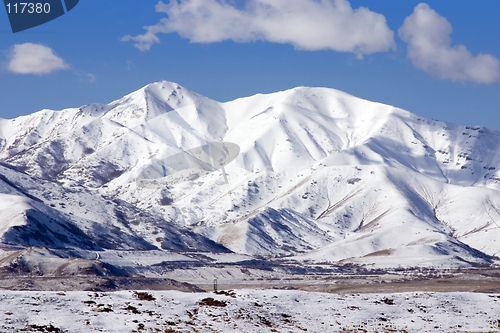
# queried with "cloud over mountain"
point(429, 48)
point(306, 24)
point(37, 59)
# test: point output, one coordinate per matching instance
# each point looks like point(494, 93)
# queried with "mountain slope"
point(321, 175)
point(65, 218)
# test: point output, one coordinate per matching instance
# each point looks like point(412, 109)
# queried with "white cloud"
point(31, 58)
point(306, 24)
point(429, 48)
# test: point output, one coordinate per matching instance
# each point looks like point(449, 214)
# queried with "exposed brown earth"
point(483, 281)
point(40, 269)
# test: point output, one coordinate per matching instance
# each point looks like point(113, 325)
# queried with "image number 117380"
point(29, 7)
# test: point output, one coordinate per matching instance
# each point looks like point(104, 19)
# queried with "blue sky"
point(393, 52)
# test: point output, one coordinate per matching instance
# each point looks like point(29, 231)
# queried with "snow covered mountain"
point(321, 176)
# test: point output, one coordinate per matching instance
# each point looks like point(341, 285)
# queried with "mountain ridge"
point(321, 175)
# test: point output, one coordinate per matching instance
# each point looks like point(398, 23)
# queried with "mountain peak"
point(321, 175)
point(149, 102)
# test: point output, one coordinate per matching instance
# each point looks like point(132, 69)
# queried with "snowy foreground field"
point(247, 310)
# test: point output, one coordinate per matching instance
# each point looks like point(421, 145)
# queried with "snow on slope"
point(11, 207)
point(75, 217)
point(247, 311)
point(321, 175)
